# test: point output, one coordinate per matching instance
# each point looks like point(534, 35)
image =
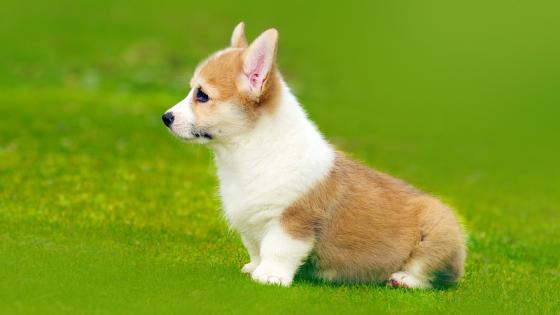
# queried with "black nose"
point(168, 118)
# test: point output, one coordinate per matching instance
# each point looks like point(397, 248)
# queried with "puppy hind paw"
point(403, 279)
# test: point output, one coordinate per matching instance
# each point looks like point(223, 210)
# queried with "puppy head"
point(229, 91)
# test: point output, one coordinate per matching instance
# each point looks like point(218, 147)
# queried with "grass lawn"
point(102, 211)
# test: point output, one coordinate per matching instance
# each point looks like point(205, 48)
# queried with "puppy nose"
point(168, 118)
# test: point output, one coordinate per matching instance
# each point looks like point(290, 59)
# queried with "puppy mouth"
point(198, 134)
point(192, 134)
point(202, 134)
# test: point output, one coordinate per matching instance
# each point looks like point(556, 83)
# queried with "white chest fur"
point(266, 171)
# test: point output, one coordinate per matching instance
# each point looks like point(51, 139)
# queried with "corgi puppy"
point(292, 197)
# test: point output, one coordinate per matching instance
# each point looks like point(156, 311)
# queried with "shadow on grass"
point(306, 275)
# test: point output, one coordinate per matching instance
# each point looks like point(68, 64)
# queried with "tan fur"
point(220, 72)
point(368, 225)
point(218, 75)
point(238, 39)
point(365, 224)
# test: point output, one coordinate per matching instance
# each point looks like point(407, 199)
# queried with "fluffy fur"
point(292, 197)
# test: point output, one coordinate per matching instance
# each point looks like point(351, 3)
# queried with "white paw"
point(267, 274)
point(403, 279)
point(249, 267)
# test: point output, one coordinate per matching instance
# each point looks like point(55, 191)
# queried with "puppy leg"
point(281, 255)
point(252, 247)
point(439, 255)
point(405, 279)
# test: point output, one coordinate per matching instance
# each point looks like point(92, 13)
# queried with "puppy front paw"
point(270, 274)
point(249, 267)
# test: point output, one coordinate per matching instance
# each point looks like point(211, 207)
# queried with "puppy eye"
point(201, 97)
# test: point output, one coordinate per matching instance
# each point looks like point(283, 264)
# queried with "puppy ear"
point(238, 39)
point(258, 61)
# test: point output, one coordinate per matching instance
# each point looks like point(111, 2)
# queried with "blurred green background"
point(102, 211)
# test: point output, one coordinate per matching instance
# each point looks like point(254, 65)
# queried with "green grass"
point(102, 211)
